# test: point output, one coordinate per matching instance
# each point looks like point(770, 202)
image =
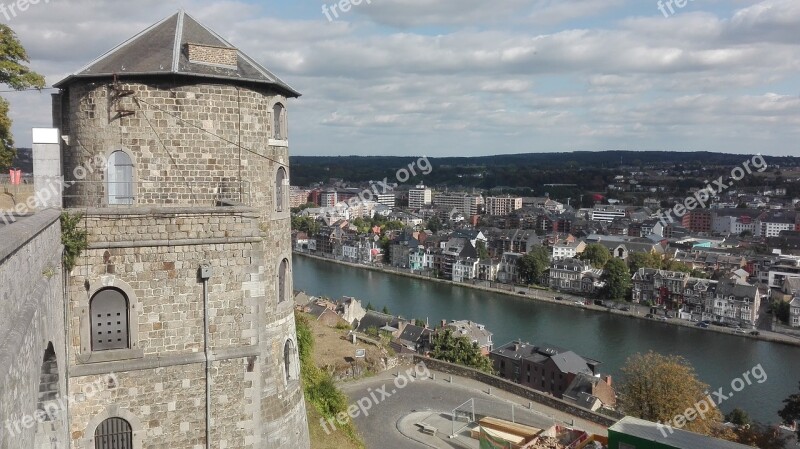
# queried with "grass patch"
point(322, 394)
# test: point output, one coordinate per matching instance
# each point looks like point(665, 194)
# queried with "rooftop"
point(179, 46)
point(678, 439)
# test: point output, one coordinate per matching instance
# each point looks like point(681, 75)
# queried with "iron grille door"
point(113, 433)
point(109, 311)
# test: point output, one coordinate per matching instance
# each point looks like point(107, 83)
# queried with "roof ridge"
point(176, 49)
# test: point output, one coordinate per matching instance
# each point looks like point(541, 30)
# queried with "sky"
point(477, 77)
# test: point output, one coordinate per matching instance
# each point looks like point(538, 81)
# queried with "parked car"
point(739, 330)
point(649, 315)
point(625, 309)
point(702, 325)
point(663, 318)
point(558, 298)
point(755, 333)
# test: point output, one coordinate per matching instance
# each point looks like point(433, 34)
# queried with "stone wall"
point(517, 389)
point(204, 172)
point(31, 320)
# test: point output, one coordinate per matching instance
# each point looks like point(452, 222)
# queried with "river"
point(719, 359)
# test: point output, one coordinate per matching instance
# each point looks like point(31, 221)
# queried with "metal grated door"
point(109, 310)
point(113, 433)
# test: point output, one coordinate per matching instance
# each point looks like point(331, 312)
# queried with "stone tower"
point(180, 325)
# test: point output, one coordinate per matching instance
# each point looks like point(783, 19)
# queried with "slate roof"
point(160, 51)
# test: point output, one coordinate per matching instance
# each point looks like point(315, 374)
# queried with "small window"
point(289, 360)
point(109, 320)
point(279, 121)
point(281, 190)
point(120, 179)
point(113, 433)
point(283, 275)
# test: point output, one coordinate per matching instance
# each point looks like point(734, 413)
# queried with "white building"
point(465, 203)
point(419, 197)
point(608, 213)
point(502, 205)
point(567, 250)
point(465, 270)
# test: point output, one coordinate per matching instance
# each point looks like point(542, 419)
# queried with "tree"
point(596, 254)
point(618, 279)
point(532, 266)
point(370, 306)
point(658, 388)
point(434, 224)
point(483, 253)
point(782, 311)
point(760, 436)
point(385, 310)
point(738, 417)
point(637, 261)
point(459, 350)
point(15, 74)
point(791, 411)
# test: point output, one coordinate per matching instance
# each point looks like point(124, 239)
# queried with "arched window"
point(283, 275)
point(113, 433)
point(279, 122)
point(120, 179)
point(48, 384)
point(281, 189)
point(109, 320)
point(289, 363)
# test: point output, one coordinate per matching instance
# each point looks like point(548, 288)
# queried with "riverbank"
point(569, 301)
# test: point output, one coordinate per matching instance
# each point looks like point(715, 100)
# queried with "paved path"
point(385, 426)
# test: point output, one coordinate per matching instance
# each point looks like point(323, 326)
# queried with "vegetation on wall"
point(74, 238)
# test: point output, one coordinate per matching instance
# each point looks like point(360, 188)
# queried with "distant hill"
point(449, 170)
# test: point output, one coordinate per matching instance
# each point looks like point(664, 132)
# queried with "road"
point(380, 428)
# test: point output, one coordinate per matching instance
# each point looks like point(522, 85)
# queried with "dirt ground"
point(21, 193)
point(333, 349)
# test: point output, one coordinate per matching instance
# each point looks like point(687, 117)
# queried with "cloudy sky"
point(479, 77)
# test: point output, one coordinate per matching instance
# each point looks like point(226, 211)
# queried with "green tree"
point(385, 310)
point(74, 237)
point(434, 224)
point(15, 74)
point(791, 411)
point(618, 279)
point(637, 261)
point(370, 306)
point(738, 417)
point(532, 266)
point(782, 311)
point(596, 254)
point(459, 350)
point(394, 225)
point(658, 388)
point(480, 246)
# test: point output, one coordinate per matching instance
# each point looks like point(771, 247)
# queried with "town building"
point(607, 213)
point(545, 368)
point(575, 276)
point(502, 205)
point(464, 203)
point(567, 249)
point(298, 196)
point(419, 197)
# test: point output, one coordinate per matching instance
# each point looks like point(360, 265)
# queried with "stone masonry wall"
point(184, 141)
point(31, 317)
